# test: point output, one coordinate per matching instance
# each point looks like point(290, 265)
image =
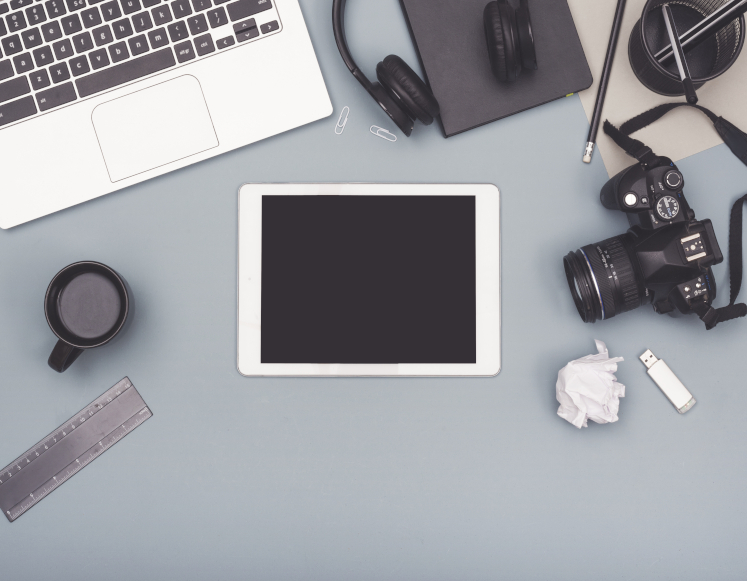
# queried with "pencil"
point(704, 29)
point(679, 55)
point(604, 81)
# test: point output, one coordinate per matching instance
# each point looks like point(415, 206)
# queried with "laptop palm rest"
point(153, 127)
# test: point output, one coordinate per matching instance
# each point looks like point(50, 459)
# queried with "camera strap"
point(710, 316)
point(733, 137)
point(736, 140)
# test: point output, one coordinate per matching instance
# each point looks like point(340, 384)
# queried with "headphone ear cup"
point(493, 24)
point(407, 89)
point(526, 36)
point(500, 33)
point(396, 113)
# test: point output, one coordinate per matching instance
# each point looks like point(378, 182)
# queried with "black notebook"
point(450, 41)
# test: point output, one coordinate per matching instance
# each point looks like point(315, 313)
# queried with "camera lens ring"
point(595, 257)
point(583, 287)
point(605, 279)
point(596, 284)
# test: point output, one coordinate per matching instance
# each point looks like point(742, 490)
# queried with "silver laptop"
point(98, 95)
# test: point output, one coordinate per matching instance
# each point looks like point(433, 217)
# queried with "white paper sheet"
point(680, 133)
point(587, 389)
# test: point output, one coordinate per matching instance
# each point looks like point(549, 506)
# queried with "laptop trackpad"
point(153, 127)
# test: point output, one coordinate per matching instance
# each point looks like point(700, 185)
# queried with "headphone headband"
point(338, 26)
point(400, 92)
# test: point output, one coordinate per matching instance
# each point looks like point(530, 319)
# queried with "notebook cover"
point(450, 41)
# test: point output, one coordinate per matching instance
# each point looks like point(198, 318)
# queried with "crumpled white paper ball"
point(588, 390)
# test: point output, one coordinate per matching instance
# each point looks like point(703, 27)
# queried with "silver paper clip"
point(340, 128)
point(383, 133)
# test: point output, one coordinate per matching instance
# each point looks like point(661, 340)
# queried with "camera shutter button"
point(673, 180)
point(630, 199)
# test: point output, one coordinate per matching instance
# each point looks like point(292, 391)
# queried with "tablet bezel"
point(488, 282)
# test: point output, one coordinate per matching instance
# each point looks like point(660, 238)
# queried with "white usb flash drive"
point(667, 381)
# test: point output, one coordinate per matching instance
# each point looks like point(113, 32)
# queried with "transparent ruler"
point(72, 446)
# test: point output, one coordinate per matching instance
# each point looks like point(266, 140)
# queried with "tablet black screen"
point(368, 279)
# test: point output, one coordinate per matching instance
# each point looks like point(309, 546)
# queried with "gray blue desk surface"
point(375, 479)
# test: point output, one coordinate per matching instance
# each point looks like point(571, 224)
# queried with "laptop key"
point(12, 45)
point(73, 5)
point(82, 42)
point(126, 72)
point(23, 63)
point(56, 96)
point(6, 69)
point(270, 27)
point(17, 110)
point(55, 8)
point(204, 45)
point(200, 5)
point(217, 17)
point(43, 56)
point(36, 14)
point(39, 79)
point(122, 28)
point(197, 24)
point(71, 24)
point(184, 51)
point(3, 30)
point(110, 10)
point(14, 88)
point(63, 49)
point(150, 3)
point(158, 38)
point(91, 17)
point(99, 58)
point(79, 65)
point(225, 42)
point(178, 31)
point(161, 15)
point(244, 25)
point(138, 45)
point(130, 6)
point(102, 35)
point(142, 22)
point(4, 8)
point(51, 31)
point(59, 72)
point(244, 8)
point(118, 52)
point(181, 8)
point(247, 34)
point(31, 38)
point(16, 21)
point(16, 4)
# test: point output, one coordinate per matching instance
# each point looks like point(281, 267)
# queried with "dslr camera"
point(664, 259)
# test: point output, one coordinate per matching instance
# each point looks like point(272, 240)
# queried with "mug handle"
point(63, 355)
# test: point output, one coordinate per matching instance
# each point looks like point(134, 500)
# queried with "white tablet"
point(369, 280)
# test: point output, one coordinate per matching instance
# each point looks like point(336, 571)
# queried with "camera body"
point(664, 259)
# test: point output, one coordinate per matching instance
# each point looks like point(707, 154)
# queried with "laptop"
point(98, 95)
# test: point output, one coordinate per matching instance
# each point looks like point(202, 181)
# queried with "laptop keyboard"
point(55, 52)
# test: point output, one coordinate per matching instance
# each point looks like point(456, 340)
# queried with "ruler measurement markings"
point(55, 437)
point(30, 473)
point(68, 449)
point(76, 466)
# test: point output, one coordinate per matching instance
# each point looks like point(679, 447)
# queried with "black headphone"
point(400, 91)
point(508, 33)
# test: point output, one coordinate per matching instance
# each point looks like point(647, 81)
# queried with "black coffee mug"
point(86, 306)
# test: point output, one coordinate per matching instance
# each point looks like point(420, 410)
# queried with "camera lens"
point(604, 279)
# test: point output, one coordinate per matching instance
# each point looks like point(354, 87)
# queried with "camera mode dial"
point(673, 180)
point(668, 207)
